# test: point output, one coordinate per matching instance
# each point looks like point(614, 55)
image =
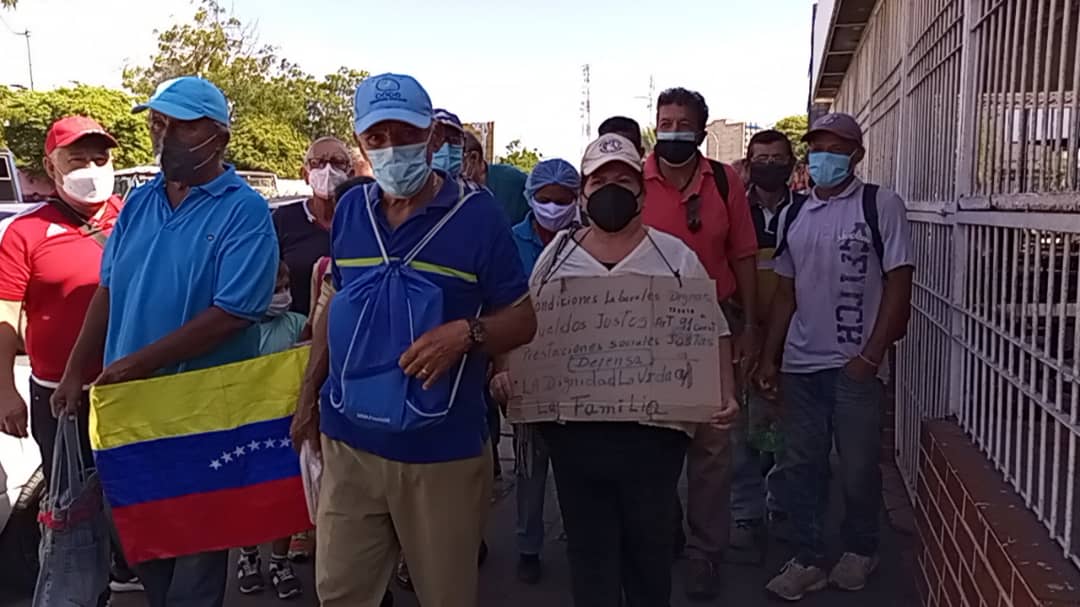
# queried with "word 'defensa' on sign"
point(632, 348)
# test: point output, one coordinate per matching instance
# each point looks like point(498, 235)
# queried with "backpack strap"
point(462, 199)
point(792, 211)
point(870, 213)
point(84, 225)
point(719, 172)
point(374, 224)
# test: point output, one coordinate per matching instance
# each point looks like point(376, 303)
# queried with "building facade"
point(970, 109)
point(726, 141)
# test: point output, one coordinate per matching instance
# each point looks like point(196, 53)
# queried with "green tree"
point(8, 3)
point(265, 144)
point(262, 88)
point(25, 117)
point(520, 156)
point(794, 127)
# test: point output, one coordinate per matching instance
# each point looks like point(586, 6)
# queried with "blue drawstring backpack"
point(373, 321)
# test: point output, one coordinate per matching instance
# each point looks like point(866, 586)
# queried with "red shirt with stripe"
point(52, 267)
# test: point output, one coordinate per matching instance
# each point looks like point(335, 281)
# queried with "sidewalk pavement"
point(891, 586)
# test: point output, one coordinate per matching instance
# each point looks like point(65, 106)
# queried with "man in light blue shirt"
point(187, 271)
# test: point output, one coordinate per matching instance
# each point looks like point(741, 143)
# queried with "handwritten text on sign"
point(628, 348)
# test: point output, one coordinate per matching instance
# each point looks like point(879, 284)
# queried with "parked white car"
point(23, 486)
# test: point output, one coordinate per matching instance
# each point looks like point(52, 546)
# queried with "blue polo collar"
point(525, 231)
point(218, 186)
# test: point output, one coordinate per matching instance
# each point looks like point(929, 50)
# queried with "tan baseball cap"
point(610, 148)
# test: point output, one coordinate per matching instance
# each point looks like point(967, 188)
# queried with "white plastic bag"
point(311, 474)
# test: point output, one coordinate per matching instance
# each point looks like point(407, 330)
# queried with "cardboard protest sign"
point(623, 348)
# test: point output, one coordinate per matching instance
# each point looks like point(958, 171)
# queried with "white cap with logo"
point(610, 148)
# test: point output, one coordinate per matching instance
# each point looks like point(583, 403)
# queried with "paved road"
point(891, 586)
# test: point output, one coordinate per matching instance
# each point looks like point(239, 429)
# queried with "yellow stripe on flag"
point(207, 400)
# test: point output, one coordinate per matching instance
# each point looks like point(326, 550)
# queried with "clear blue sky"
point(517, 63)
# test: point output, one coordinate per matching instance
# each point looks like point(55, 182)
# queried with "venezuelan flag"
point(201, 461)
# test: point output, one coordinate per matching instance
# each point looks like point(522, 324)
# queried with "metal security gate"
point(970, 109)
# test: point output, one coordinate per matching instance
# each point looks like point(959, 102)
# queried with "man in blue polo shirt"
point(186, 273)
point(424, 490)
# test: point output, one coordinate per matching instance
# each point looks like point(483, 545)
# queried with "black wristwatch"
point(477, 333)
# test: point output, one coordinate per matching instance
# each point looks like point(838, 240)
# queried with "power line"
point(25, 34)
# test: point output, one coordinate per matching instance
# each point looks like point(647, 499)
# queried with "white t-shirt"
point(658, 254)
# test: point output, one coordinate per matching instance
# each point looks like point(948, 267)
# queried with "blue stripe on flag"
point(198, 463)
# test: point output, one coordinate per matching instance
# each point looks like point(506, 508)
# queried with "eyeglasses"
point(771, 158)
point(338, 163)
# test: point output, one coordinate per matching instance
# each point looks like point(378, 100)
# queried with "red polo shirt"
point(727, 231)
point(52, 267)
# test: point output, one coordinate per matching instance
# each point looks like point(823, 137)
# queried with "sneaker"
point(300, 547)
point(529, 569)
point(402, 575)
point(702, 580)
point(284, 580)
point(852, 570)
point(747, 544)
point(131, 584)
point(249, 572)
point(795, 580)
point(122, 579)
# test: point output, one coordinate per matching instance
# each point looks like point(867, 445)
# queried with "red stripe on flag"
point(217, 520)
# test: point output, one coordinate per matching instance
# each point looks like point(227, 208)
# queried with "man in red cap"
point(51, 254)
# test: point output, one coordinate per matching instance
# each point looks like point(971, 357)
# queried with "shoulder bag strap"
point(85, 228)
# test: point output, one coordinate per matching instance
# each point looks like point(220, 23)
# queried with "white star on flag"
point(269, 443)
point(216, 465)
point(226, 456)
point(253, 445)
point(283, 442)
point(238, 452)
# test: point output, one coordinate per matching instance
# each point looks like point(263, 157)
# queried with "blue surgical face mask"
point(828, 169)
point(449, 159)
point(401, 170)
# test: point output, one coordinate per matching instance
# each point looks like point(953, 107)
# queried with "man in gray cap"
point(844, 255)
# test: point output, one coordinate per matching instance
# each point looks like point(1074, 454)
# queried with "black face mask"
point(676, 152)
point(180, 163)
point(768, 176)
point(612, 207)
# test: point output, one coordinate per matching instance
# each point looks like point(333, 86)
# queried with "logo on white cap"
point(611, 146)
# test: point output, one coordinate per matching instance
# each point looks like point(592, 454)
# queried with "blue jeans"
point(197, 580)
point(753, 490)
point(818, 409)
point(531, 492)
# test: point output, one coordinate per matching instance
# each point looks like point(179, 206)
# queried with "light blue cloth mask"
point(828, 169)
point(401, 170)
point(449, 158)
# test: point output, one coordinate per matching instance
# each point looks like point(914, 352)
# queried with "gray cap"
point(842, 125)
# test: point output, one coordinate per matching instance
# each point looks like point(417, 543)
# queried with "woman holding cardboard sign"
point(617, 471)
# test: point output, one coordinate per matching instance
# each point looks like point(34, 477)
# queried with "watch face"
point(476, 331)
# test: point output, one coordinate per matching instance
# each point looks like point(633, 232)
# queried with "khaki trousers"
point(708, 493)
point(371, 508)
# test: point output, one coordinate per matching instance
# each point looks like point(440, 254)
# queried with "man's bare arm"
point(510, 327)
point(892, 316)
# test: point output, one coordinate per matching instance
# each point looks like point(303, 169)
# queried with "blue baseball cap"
point(448, 118)
point(188, 98)
point(391, 97)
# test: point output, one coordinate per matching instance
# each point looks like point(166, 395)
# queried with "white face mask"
point(280, 303)
point(325, 180)
point(88, 185)
point(553, 216)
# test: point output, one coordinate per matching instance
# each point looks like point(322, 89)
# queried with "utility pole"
point(29, 61)
point(586, 106)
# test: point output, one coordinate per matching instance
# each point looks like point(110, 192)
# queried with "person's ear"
point(857, 157)
point(50, 168)
point(304, 173)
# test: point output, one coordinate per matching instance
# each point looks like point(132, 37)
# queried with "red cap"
point(70, 129)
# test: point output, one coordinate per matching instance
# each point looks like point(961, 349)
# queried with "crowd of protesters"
point(813, 270)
